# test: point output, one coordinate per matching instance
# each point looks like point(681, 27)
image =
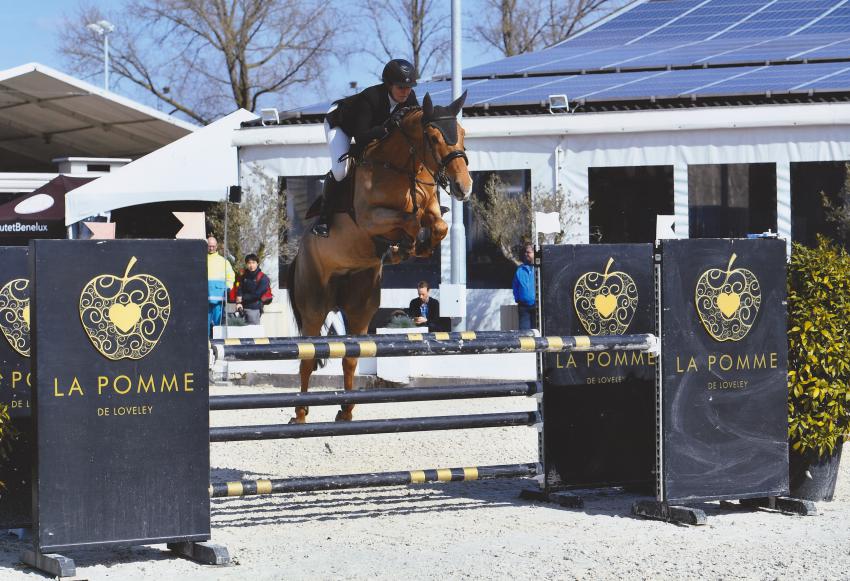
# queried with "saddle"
point(341, 200)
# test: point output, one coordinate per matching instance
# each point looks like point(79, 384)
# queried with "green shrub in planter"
point(818, 348)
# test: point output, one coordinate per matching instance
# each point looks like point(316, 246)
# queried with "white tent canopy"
point(197, 167)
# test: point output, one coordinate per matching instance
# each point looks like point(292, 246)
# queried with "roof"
point(45, 114)
point(673, 53)
point(197, 167)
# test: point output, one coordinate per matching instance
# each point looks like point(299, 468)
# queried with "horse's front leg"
point(387, 222)
point(433, 230)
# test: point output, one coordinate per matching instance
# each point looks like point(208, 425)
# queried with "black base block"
point(205, 552)
point(662, 511)
point(784, 504)
point(561, 498)
point(51, 563)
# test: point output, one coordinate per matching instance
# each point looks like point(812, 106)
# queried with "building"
point(724, 117)
point(52, 124)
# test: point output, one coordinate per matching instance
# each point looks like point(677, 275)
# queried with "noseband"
point(440, 176)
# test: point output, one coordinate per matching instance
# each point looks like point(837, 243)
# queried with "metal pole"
point(344, 481)
point(394, 338)
point(458, 232)
point(390, 395)
point(106, 60)
point(226, 290)
point(330, 349)
point(321, 429)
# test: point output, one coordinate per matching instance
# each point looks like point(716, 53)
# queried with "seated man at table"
point(425, 310)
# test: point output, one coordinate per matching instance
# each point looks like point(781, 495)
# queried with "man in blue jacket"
point(524, 290)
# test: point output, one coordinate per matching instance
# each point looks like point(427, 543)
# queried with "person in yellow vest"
point(220, 278)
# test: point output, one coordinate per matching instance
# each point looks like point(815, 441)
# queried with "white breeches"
point(338, 143)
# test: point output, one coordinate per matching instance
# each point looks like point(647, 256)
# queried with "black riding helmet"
point(399, 72)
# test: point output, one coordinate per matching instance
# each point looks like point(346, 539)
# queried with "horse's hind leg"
point(349, 366)
point(305, 370)
point(362, 302)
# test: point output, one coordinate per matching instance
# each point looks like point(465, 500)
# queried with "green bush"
point(818, 347)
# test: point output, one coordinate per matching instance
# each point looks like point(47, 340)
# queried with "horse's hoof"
point(342, 416)
point(297, 420)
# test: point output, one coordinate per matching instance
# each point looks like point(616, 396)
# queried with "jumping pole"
point(287, 431)
point(389, 338)
point(392, 395)
point(330, 348)
point(343, 481)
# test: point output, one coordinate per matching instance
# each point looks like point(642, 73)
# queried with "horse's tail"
point(290, 286)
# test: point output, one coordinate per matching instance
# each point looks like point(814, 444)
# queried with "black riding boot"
point(322, 226)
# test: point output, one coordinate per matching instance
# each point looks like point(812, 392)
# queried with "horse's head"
point(444, 140)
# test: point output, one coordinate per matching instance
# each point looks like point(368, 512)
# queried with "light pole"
point(103, 28)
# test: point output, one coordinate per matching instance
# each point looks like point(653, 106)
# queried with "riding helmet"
point(399, 72)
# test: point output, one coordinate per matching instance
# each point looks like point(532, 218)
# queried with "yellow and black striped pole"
point(368, 346)
point(388, 338)
point(343, 481)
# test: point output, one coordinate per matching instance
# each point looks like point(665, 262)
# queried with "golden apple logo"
point(605, 302)
point(728, 301)
point(124, 317)
point(15, 314)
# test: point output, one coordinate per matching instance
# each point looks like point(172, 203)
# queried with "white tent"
point(197, 167)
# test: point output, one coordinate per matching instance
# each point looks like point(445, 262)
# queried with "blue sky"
point(29, 33)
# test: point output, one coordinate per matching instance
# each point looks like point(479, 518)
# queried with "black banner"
point(15, 380)
point(599, 405)
point(121, 398)
point(723, 400)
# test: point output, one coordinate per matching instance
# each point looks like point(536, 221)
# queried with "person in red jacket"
point(253, 284)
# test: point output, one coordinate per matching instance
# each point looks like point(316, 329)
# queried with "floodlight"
point(270, 116)
point(559, 104)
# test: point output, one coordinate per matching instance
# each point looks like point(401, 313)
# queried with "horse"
point(396, 214)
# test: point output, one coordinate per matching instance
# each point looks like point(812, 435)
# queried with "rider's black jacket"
point(362, 115)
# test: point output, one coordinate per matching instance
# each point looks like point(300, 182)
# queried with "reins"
point(438, 177)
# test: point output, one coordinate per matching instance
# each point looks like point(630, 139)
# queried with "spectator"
point(524, 290)
point(219, 278)
point(424, 310)
point(253, 284)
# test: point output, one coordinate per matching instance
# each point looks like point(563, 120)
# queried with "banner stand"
point(120, 392)
point(719, 415)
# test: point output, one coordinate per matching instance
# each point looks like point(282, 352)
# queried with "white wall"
point(559, 149)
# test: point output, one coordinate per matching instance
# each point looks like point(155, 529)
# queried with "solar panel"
point(734, 39)
point(678, 33)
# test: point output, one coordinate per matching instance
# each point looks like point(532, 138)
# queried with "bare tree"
point(518, 26)
point(204, 58)
point(507, 216)
point(259, 224)
point(423, 27)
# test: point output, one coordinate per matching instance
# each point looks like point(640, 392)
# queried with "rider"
point(366, 116)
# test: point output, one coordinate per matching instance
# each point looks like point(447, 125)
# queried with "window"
point(731, 200)
point(300, 194)
point(808, 181)
point(625, 202)
point(486, 264)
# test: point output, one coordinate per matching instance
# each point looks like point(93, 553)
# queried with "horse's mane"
point(413, 115)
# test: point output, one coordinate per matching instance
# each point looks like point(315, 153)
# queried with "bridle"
point(412, 167)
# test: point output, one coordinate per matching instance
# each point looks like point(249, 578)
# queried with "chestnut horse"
point(396, 214)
